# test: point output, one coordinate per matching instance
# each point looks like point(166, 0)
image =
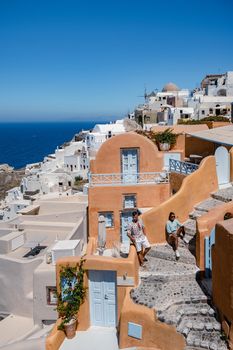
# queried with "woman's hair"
point(170, 215)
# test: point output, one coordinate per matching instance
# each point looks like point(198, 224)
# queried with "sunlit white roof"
point(117, 127)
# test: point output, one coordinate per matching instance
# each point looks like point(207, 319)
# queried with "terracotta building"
point(126, 174)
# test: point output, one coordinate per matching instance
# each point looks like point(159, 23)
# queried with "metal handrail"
point(182, 167)
point(128, 179)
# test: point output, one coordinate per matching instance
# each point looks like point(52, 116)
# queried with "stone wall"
point(9, 180)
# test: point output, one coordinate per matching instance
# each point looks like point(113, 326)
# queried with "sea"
point(30, 142)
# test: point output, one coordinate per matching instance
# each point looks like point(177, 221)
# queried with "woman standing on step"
point(174, 231)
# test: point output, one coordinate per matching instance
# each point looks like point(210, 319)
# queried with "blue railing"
point(128, 179)
point(182, 167)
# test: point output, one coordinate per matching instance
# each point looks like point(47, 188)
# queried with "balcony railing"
point(182, 167)
point(128, 179)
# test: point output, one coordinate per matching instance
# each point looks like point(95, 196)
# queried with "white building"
point(27, 276)
point(215, 97)
point(164, 106)
point(101, 132)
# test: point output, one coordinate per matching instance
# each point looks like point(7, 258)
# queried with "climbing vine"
point(72, 292)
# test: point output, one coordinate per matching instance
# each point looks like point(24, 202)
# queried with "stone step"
point(199, 323)
point(182, 314)
point(225, 195)
point(162, 292)
point(195, 214)
point(204, 310)
point(206, 340)
point(166, 252)
point(208, 204)
point(190, 227)
point(188, 238)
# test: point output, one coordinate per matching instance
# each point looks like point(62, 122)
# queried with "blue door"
point(126, 218)
point(103, 305)
point(129, 165)
point(209, 241)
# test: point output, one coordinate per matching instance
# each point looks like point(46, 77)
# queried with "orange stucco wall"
point(176, 180)
point(128, 267)
point(182, 143)
point(222, 269)
point(231, 163)
point(194, 145)
point(195, 188)
point(213, 125)
point(222, 276)
point(55, 338)
point(111, 199)
point(108, 158)
point(204, 226)
point(155, 334)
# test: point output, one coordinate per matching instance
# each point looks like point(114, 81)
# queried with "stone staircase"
point(174, 290)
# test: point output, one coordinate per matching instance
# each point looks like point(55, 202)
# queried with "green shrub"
point(218, 118)
point(78, 178)
point(166, 136)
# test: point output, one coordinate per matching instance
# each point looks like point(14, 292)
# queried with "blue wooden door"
point(209, 241)
point(129, 164)
point(103, 305)
point(126, 218)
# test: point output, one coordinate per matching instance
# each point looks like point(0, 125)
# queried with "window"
point(211, 110)
point(129, 201)
point(51, 295)
point(202, 112)
point(108, 219)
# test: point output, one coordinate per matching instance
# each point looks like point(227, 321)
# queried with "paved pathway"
point(92, 339)
point(174, 290)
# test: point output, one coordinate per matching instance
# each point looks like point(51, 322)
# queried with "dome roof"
point(170, 87)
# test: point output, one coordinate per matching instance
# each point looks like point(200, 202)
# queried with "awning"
point(222, 135)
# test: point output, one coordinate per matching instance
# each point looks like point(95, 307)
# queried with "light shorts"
point(142, 243)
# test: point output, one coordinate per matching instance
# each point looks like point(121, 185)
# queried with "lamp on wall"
point(125, 276)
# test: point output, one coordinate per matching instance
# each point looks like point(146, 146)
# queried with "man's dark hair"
point(135, 212)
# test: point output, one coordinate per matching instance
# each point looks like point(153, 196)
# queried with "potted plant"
point(70, 297)
point(165, 139)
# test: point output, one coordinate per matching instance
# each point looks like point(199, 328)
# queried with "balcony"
point(128, 179)
point(182, 167)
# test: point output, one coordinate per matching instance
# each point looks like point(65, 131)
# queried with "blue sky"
point(76, 60)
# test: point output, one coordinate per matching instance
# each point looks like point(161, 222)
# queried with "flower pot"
point(70, 328)
point(164, 146)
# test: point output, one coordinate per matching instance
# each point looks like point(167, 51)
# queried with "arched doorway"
point(222, 158)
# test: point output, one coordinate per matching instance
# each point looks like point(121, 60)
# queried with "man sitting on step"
point(174, 230)
point(137, 235)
